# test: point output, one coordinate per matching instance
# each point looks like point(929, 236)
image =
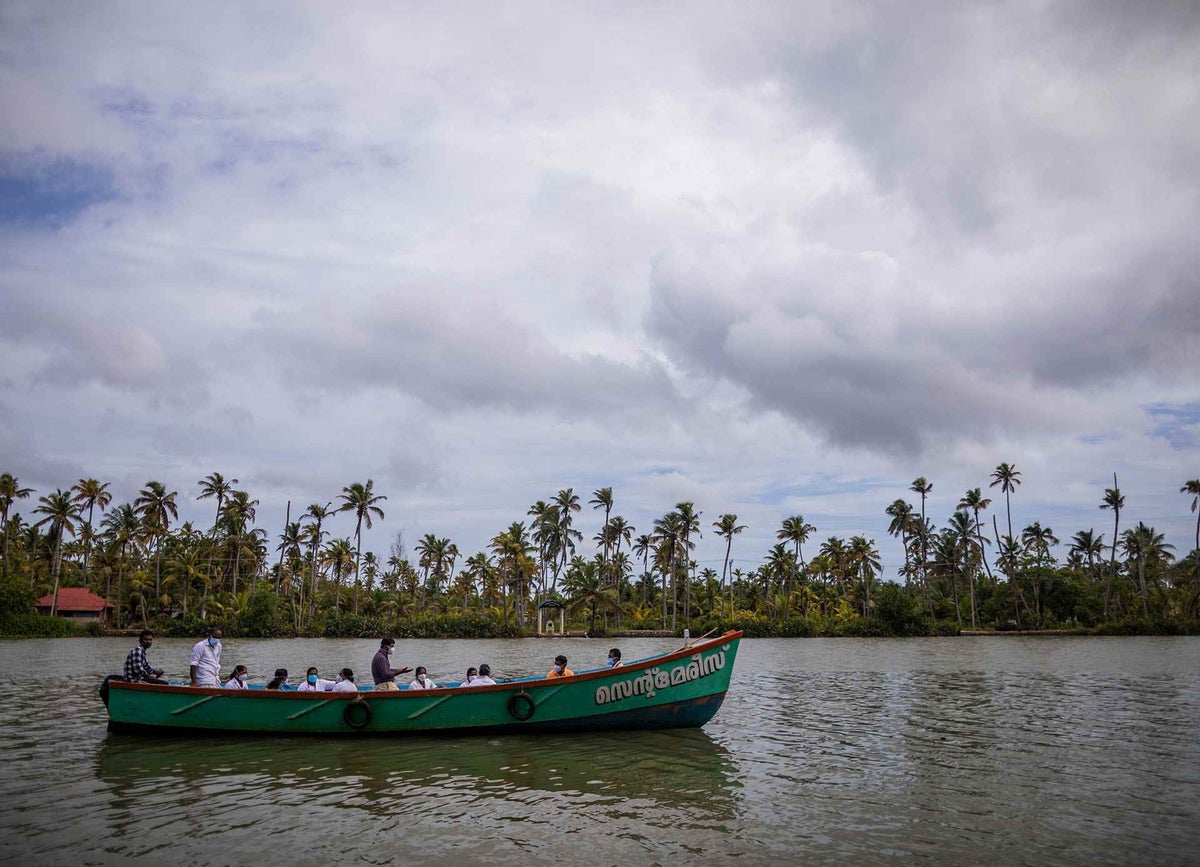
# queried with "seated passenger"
point(345, 682)
point(485, 676)
point(614, 658)
point(422, 681)
point(472, 674)
point(560, 668)
point(313, 682)
point(280, 680)
point(237, 678)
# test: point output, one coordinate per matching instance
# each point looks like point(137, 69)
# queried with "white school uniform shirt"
point(322, 685)
point(428, 684)
point(234, 683)
point(208, 663)
point(483, 680)
point(343, 686)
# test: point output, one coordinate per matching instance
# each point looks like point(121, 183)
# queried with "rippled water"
point(1005, 750)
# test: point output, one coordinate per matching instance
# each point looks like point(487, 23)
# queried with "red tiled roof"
point(75, 599)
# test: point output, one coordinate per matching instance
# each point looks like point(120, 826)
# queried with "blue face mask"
point(611, 662)
point(214, 642)
point(312, 678)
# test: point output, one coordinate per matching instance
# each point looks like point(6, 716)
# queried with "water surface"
point(1005, 750)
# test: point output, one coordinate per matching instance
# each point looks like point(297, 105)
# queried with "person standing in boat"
point(137, 666)
point(422, 681)
point(560, 668)
point(205, 665)
point(381, 666)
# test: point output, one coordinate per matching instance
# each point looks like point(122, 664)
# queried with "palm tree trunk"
point(57, 570)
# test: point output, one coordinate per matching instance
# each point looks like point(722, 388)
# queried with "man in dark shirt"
point(137, 666)
point(381, 666)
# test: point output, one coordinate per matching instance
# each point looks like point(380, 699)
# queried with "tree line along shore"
point(965, 575)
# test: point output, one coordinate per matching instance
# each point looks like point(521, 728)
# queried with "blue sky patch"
point(49, 193)
point(1177, 423)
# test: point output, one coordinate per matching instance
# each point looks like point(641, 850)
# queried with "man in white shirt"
point(485, 676)
point(345, 682)
point(205, 664)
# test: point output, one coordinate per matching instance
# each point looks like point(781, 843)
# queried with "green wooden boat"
point(683, 689)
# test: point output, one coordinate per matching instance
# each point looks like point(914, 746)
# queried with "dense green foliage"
point(179, 578)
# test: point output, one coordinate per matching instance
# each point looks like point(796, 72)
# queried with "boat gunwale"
point(416, 694)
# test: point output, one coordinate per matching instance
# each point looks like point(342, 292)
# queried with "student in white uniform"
point(345, 682)
point(422, 681)
point(237, 678)
point(485, 676)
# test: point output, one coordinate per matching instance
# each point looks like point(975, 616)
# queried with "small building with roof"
point(77, 603)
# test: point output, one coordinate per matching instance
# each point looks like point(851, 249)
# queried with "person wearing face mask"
point(560, 668)
point(205, 665)
point(237, 678)
point(313, 682)
point(137, 666)
point(345, 682)
point(472, 676)
point(614, 658)
point(422, 681)
point(381, 667)
point(280, 681)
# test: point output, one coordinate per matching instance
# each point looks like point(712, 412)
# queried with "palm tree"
point(214, 485)
point(922, 487)
point(667, 533)
point(977, 502)
point(1112, 500)
point(1085, 544)
point(602, 498)
point(90, 493)
point(727, 527)
point(963, 532)
point(566, 501)
point(1192, 487)
point(1040, 540)
point(643, 546)
point(865, 557)
point(513, 551)
point(10, 492)
point(123, 526)
point(156, 508)
point(61, 513)
point(1144, 544)
point(545, 536)
point(585, 588)
point(315, 515)
point(689, 522)
point(361, 499)
point(901, 513)
point(1009, 479)
point(796, 531)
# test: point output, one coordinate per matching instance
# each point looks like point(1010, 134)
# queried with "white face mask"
point(421, 678)
point(391, 650)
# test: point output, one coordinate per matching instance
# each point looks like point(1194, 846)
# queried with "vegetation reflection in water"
point(683, 771)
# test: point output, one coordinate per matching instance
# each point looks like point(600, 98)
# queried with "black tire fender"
point(357, 714)
point(104, 687)
point(521, 706)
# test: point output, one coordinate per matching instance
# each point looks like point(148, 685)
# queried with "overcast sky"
point(772, 258)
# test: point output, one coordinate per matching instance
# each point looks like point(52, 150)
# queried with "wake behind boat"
point(683, 689)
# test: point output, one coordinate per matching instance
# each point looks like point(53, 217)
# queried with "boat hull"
point(679, 690)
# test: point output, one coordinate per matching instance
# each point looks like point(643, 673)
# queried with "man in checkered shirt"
point(137, 667)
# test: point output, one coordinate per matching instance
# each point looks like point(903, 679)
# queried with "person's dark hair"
point(311, 670)
point(421, 670)
point(387, 642)
point(615, 653)
point(146, 633)
point(237, 669)
point(560, 660)
point(472, 670)
point(347, 674)
point(485, 670)
point(277, 681)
